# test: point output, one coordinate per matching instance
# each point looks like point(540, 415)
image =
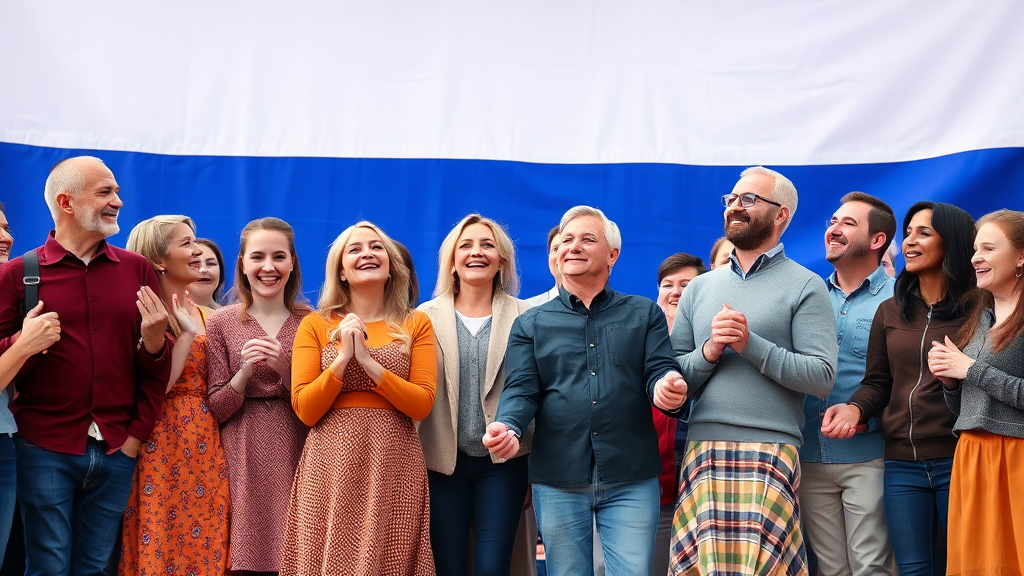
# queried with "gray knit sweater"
point(757, 396)
point(991, 397)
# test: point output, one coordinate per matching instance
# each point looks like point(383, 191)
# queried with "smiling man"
point(585, 366)
point(752, 338)
point(841, 490)
point(83, 409)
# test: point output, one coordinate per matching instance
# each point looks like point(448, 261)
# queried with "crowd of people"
point(753, 412)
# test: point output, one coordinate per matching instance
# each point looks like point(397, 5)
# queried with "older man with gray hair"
point(585, 366)
point(85, 407)
point(752, 338)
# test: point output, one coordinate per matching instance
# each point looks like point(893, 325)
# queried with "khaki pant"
point(843, 516)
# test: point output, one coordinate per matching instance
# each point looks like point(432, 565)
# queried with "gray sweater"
point(757, 396)
point(991, 397)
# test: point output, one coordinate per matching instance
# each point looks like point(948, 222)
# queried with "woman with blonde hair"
point(472, 313)
point(365, 367)
point(984, 387)
point(177, 515)
point(250, 346)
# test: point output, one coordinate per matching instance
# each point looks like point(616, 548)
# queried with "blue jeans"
point(916, 508)
point(627, 522)
point(483, 494)
point(71, 506)
point(8, 490)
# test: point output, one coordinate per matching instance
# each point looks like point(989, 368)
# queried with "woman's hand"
point(183, 314)
point(268, 350)
point(349, 336)
point(948, 363)
point(840, 421)
point(39, 331)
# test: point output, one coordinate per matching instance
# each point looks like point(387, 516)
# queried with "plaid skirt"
point(737, 511)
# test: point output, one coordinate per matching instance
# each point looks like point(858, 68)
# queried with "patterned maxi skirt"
point(737, 511)
point(359, 503)
point(986, 509)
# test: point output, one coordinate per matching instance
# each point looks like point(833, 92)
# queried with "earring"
point(1019, 270)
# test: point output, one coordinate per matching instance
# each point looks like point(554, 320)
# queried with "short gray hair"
point(611, 230)
point(784, 192)
point(65, 177)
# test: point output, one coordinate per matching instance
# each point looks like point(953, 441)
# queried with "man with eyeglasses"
point(841, 493)
point(752, 339)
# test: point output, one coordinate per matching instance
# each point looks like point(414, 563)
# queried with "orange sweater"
point(315, 391)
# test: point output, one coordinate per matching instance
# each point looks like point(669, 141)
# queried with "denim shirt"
point(585, 377)
point(7, 425)
point(854, 314)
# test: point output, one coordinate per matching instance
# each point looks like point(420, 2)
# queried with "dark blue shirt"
point(585, 376)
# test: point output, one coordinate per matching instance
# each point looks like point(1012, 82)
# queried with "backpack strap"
point(31, 281)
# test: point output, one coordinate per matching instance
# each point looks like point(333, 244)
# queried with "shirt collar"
point(570, 300)
point(875, 281)
point(759, 262)
point(53, 252)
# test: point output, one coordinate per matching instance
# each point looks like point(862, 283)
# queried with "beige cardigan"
point(438, 431)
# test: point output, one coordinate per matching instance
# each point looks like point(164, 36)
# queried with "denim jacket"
point(854, 314)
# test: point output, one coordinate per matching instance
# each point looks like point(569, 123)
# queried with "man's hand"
point(670, 391)
point(840, 421)
point(131, 447)
point(501, 441)
point(38, 332)
point(729, 329)
point(154, 320)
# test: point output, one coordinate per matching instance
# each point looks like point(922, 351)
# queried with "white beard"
point(93, 222)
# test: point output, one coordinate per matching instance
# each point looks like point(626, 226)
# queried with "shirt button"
point(594, 402)
point(591, 344)
point(843, 313)
point(592, 373)
point(595, 433)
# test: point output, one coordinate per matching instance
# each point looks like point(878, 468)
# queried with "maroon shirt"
point(98, 370)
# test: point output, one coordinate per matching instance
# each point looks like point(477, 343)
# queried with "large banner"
point(413, 114)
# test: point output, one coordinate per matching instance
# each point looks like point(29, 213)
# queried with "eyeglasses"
point(746, 200)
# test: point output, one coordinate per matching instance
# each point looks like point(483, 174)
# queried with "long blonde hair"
point(335, 295)
point(448, 280)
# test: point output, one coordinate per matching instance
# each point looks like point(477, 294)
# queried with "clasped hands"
point(948, 363)
point(728, 330)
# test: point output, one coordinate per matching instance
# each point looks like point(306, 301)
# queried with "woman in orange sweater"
point(363, 369)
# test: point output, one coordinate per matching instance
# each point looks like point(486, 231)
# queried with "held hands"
point(840, 421)
point(728, 330)
point(948, 363)
point(670, 391)
point(39, 331)
point(154, 320)
point(501, 441)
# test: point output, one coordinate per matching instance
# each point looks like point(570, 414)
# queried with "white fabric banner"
point(699, 82)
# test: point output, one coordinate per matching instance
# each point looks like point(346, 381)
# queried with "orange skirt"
point(986, 506)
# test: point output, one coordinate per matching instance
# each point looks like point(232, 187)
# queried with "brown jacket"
point(915, 422)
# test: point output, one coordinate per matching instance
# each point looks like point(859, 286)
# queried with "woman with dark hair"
point(250, 352)
point(365, 369)
point(934, 296)
point(472, 313)
point(6, 240)
point(208, 290)
point(984, 387)
point(176, 521)
point(414, 283)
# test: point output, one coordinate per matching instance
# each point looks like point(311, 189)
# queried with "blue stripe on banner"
point(661, 208)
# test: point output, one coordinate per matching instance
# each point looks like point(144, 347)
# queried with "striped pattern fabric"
point(737, 511)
